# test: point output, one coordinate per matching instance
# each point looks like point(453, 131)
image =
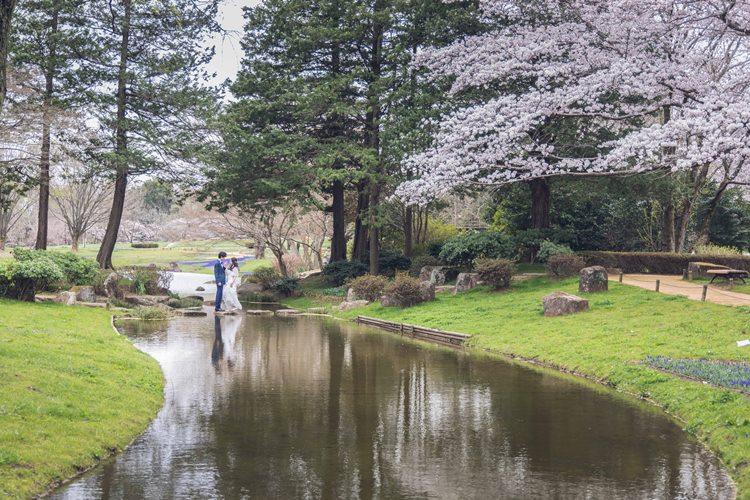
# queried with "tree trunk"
point(6, 15)
point(372, 126)
point(338, 239)
point(104, 258)
point(669, 241)
point(408, 233)
point(540, 203)
point(703, 230)
point(699, 175)
point(74, 242)
point(44, 160)
point(2, 244)
point(361, 233)
point(279, 254)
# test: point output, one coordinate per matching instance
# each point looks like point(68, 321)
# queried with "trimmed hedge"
point(659, 262)
point(144, 245)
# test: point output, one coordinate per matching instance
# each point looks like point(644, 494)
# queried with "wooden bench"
point(728, 274)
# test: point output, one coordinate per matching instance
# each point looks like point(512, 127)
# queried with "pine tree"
point(151, 103)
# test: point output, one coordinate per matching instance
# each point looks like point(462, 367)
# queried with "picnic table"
point(728, 274)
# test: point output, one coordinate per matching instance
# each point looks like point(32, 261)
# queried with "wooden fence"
point(417, 332)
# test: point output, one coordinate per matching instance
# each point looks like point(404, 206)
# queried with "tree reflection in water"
point(304, 408)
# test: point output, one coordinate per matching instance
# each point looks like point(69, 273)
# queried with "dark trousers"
point(219, 295)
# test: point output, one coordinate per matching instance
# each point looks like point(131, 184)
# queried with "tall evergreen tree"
point(151, 101)
point(6, 15)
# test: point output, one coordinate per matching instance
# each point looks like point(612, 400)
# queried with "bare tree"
point(12, 208)
point(81, 203)
point(310, 232)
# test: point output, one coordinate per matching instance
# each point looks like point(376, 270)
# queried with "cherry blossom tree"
point(593, 87)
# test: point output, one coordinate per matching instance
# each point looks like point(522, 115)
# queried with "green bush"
point(711, 249)
point(417, 263)
point(464, 249)
point(660, 262)
point(369, 287)
point(122, 304)
point(495, 272)
point(565, 265)
point(184, 303)
point(406, 290)
point(76, 270)
point(21, 279)
point(151, 313)
point(339, 272)
point(144, 245)
point(148, 280)
point(285, 286)
point(390, 261)
point(265, 277)
point(549, 249)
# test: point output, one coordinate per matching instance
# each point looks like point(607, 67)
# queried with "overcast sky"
point(226, 62)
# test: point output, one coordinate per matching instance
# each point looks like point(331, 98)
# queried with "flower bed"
point(722, 373)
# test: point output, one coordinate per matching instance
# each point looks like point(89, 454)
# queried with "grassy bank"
point(168, 252)
point(73, 392)
point(607, 344)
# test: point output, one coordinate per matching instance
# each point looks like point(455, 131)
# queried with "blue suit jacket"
point(219, 274)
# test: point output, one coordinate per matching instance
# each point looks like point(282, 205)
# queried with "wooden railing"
point(418, 332)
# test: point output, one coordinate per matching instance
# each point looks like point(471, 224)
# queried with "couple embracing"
point(227, 282)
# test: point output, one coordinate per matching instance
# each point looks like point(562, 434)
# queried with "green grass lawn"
point(73, 391)
point(607, 344)
point(182, 251)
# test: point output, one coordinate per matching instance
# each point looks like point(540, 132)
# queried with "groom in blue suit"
point(221, 279)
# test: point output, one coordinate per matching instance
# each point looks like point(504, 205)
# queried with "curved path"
point(675, 285)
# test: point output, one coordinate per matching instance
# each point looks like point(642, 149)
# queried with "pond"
point(266, 407)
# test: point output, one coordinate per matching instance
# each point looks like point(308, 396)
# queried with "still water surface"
point(307, 408)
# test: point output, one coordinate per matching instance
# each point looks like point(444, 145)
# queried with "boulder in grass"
point(352, 304)
point(427, 289)
point(351, 295)
point(67, 298)
point(562, 303)
point(84, 293)
point(466, 281)
point(593, 279)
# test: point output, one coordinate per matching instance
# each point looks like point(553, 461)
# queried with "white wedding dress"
point(231, 301)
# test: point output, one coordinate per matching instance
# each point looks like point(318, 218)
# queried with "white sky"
point(226, 62)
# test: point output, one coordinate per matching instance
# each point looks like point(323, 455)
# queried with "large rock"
point(84, 293)
point(67, 298)
point(147, 300)
point(112, 287)
point(426, 272)
point(249, 287)
point(435, 274)
point(352, 304)
point(427, 289)
point(390, 301)
point(466, 281)
point(351, 296)
point(593, 279)
point(561, 303)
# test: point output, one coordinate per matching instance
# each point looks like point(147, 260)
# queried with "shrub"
point(76, 270)
point(148, 280)
point(659, 262)
point(338, 291)
point(406, 290)
point(369, 287)
point(99, 279)
point(417, 263)
point(115, 302)
point(184, 303)
point(285, 286)
point(464, 249)
point(549, 249)
point(21, 279)
point(151, 313)
point(265, 277)
point(144, 245)
point(495, 272)
point(565, 265)
point(389, 262)
point(711, 249)
point(339, 272)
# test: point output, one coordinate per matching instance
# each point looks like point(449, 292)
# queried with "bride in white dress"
point(231, 301)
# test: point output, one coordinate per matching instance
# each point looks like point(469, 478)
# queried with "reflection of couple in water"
point(225, 334)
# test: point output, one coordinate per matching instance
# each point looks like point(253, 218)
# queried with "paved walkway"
point(674, 285)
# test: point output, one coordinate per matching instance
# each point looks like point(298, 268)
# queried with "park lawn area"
point(72, 392)
point(181, 251)
point(607, 344)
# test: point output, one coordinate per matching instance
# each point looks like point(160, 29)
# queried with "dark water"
point(305, 408)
